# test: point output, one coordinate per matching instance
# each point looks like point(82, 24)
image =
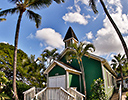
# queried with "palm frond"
point(2, 19)
point(93, 6)
point(14, 1)
point(35, 17)
point(59, 1)
point(89, 47)
point(37, 4)
point(123, 57)
point(9, 11)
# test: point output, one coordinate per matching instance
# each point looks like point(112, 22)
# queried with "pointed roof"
point(70, 34)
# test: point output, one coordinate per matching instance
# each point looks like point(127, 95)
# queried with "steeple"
point(70, 37)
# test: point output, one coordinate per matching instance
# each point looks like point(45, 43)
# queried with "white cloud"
point(41, 45)
point(50, 37)
point(78, 9)
point(88, 16)
point(4, 42)
point(75, 18)
point(107, 40)
point(84, 2)
point(89, 35)
point(31, 36)
point(49, 48)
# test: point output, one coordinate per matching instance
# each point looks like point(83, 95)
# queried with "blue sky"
point(57, 18)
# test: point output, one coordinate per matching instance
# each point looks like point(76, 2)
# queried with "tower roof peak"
point(70, 34)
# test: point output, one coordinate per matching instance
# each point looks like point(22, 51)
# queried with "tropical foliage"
point(21, 7)
point(93, 6)
point(3, 81)
point(98, 91)
point(77, 52)
point(49, 56)
point(28, 68)
point(6, 60)
point(33, 72)
point(21, 87)
point(119, 64)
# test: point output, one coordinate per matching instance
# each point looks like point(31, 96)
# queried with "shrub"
point(98, 91)
point(21, 87)
point(126, 95)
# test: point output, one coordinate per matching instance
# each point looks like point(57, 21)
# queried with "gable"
point(58, 64)
point(57, 70)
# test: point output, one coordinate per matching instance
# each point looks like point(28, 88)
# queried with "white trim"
point(61, 65)
point(67, 78)
point(103, 73)
point(77, 92)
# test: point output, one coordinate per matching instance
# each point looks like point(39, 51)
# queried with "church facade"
point(63, 74)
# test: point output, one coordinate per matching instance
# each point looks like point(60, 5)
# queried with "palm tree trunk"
point(15, 55)
point(121, 72)
point(83, 77)
point(116, 29)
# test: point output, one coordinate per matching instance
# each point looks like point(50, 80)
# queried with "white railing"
point(54, 93)
point(29, 94)
point(78, 95)
point(120, 92)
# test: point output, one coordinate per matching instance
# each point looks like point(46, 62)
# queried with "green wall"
point(92, 68)
point(57, 70)
point(108, 89)
point(74, 81)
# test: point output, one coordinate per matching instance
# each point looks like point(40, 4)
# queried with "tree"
point(77, 52)
point(21, 7)
point(6, 61)
point(32, 73)
point(50, 55)
point(93, 6)
point(3, 81)
point(119, 64)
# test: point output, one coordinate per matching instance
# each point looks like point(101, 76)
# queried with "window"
point(107, 78)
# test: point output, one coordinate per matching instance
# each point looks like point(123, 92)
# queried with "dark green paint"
point(57, 70)
point(74, 81)
point(92, 70)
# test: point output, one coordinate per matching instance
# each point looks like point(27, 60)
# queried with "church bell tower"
point(70, 38)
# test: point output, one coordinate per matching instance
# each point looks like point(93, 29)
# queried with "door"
point(57, 81)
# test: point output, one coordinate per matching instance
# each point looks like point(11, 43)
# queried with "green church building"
point(60, 73)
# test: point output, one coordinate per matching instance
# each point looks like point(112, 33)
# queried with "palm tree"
point(32, 71)
point(93, 6)
point(119, 65)
point(21, 7)
point(77, 52)
point(50, 55)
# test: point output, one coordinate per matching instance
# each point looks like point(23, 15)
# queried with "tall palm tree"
point(119, 64)
point(77, 52)
point(93, 6)
point(21, 7)
point(50, 55)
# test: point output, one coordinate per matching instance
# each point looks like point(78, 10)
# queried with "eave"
point(66, 67)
